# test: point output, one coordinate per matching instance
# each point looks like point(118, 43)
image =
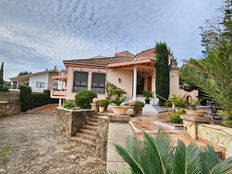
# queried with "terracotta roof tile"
point(99, 61)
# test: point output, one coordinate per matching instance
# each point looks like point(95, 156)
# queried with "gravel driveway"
point(35, 147)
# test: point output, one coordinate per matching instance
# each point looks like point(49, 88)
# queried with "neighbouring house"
point(38, 81)
point(133, 73)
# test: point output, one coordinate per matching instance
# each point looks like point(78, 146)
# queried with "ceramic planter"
point(101, 109)
point(120, 110)
point(147, 101)
point(139, 110)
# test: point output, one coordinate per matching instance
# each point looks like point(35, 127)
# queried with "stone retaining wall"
point(102, 136)
point(70, 121)
point(9, 103)
point(216, 134)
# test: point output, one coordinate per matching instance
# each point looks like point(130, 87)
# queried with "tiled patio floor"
point(146, 124)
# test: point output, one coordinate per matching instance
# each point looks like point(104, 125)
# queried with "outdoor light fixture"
point(119, 80)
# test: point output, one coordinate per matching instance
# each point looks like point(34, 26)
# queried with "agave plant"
point(213, 75)
point(160, 155)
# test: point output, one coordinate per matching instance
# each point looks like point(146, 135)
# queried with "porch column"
point(135, 83)
point(60, 102)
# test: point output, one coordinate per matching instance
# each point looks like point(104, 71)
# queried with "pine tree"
point(162, 72)
point(1, 76)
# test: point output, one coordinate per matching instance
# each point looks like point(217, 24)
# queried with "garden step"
point(92, 123)
point(93, 119)
point(90, 132)
point(89, 127)
point(86, 137)
point(84, 142)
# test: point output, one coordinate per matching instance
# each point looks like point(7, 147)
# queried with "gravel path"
point(35, 147)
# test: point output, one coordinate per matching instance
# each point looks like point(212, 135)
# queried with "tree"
point(160, 155)
point(1, 76)
point(218, 28)
point(227, 20)
point(162, 72)
point(213, 75)
point(23, 73)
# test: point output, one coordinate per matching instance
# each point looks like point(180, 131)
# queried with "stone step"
point(84, 142)
point(87, 137)
point(93, 119)
point(89, 127)
point(92, 123)
point(90, 132)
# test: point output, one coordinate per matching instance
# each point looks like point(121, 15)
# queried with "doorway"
point(149, 83)
point(140, 85)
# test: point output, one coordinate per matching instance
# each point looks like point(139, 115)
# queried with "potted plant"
point(103, 104)
point(147, 95)
point(192, 110)
point(118, 109)
point(178, 102)
point(139, 107)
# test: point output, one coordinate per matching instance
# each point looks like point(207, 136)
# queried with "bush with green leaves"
point(139, 104)
point(113, 91)
point(174, 117)
point(25, 97)
point(118, 101)
point(104, 103)
point(179, 101)
point(147, 94)
point(160, 155)
point(69, 105)
point(84, 99)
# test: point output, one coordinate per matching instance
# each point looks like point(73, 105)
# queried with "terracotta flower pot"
point(197, 113)
point(95, 100)
point(101, 109)
point(139, 110)
point(120, 110)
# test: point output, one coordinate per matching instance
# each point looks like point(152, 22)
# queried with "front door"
point(140, 85)
point(149, 82)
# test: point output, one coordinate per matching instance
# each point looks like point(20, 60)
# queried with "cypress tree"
point(162, 72)
point(1, 76)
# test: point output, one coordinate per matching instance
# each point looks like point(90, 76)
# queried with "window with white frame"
point(80, 81)
point(98, 83)
point(40, 84)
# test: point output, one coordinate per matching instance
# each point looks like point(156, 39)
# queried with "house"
point(133, 73)
point(38, 81)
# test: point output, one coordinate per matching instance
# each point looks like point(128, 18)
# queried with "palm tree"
point(160, 155)
point(213, 75)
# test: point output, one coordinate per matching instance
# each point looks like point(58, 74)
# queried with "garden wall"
point(71, 121)
point(216, 134)
point(9, 103)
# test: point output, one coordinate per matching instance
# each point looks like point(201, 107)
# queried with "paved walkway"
point(118, 133)
point(44, 109)
point(35, 147)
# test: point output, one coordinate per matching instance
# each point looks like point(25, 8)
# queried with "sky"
point(40, 34)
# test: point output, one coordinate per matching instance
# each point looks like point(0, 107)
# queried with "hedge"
point(31, 100)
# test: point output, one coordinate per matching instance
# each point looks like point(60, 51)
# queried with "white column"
point(12, 84)
point(60, 102)
point(135, 83)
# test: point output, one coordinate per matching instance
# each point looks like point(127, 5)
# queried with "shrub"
point(113, 90)
point(69, 105)
point(83, 99)
point(179, 101)
point(175, 118)
point(39, 99)
point(25, 97)
point(147, 94)
point(118, 101)
point(139, 104)
point(104, 103)
point(31, 100)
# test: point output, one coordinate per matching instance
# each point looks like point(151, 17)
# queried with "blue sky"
point(39, 34)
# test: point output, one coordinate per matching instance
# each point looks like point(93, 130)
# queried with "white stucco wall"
point(38, 78)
